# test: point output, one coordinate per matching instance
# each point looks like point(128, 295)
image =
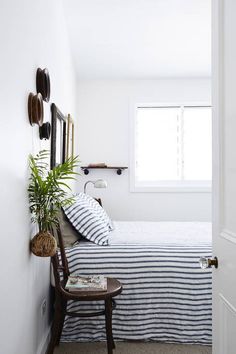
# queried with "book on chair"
point(77, 282)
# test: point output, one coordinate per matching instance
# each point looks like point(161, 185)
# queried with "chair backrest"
point(59, 260)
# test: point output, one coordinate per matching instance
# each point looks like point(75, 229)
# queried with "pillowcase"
point(97, 206)
point(89, 219)
point(69, 234)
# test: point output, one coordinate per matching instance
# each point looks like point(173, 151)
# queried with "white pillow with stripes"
point(89, 218)
point(94, 203)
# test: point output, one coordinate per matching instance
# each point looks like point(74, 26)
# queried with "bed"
point(166, 296)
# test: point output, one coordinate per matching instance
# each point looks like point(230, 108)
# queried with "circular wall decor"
point(35, 109)
point(45, 131)
point(43, 83)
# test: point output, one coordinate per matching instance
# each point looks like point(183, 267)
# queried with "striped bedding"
point(166, 296)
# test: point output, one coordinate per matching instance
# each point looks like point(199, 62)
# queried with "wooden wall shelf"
point(118, 169)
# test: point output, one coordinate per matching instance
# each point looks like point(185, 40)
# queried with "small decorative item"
point(35, 109)
point(43, 83)
point(58, 140)
point(43, 244)
point(45, 131)
point(47, 195)
point(70, 137)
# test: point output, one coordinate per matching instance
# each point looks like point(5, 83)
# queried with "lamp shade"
point(100, 183)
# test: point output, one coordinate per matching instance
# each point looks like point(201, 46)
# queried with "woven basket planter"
point(43, 244)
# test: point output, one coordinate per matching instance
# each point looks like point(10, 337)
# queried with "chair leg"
point(56, 325)
point(108, 316)
point(61, 321)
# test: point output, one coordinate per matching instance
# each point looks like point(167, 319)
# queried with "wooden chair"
point(62, 296)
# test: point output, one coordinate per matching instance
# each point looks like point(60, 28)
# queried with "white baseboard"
point(44, 342)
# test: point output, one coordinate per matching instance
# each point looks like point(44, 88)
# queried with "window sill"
point(171, 189)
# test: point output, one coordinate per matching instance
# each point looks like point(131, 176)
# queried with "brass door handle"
point(208, 263)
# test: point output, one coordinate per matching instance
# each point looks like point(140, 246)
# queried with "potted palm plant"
point(48, 193)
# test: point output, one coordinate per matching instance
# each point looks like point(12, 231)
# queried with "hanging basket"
point(43, 244)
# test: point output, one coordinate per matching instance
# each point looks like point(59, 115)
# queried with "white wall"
point(103, 108)
point(32, 34)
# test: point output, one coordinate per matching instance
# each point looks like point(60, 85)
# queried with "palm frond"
point(48, 188)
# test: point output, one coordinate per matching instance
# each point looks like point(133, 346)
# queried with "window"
point(172, 148)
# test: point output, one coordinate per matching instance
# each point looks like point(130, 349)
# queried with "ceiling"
point(140, 39)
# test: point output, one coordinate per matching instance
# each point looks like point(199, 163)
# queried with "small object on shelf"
point(43, 83)
point(45, 131)
point(98, 165)
point(77, 282)
point(119, 169)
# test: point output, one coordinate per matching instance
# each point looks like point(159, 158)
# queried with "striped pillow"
point(95, 204)
point(89, 218)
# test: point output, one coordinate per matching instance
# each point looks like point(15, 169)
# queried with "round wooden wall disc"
point(43, 83)
point(35, 109)
point(45, 131)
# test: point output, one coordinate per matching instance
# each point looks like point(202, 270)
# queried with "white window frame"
point(162, 187)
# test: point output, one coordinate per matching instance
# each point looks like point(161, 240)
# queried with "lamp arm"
point(85, 186)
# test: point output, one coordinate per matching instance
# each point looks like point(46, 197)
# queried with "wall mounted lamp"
point(99, 183)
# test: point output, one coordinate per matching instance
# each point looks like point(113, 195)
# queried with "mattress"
point(166, 296)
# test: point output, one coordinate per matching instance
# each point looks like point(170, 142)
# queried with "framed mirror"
point(70, 137)
point(58, 136)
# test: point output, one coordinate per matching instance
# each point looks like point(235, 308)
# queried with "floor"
point(131, 348)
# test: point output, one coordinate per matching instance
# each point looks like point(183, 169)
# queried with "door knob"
point(208, 263)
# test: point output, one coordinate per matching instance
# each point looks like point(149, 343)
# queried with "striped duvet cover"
point(166, 296)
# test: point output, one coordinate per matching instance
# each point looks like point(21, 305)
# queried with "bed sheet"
point(170, 232)
point(166, 296)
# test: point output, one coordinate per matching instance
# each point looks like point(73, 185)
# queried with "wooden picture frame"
point(58, 136)
point(70, 137)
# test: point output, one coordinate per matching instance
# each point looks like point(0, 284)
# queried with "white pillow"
point(89, 218)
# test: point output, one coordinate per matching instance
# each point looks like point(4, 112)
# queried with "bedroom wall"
point(32, 34)
point(103, 108)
